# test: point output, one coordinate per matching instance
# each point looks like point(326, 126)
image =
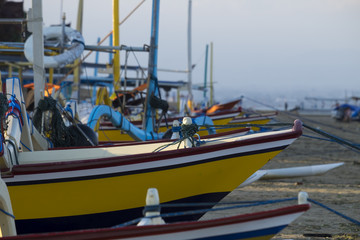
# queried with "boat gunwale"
point(123, 160)
point(130, 143)
point(170, 228)
point(242, 119)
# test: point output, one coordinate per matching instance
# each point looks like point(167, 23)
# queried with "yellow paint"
point(113, 135)
point(10, 71)
point(116, 43)
point(124, 192)
point(51, 75)
point(102, 97)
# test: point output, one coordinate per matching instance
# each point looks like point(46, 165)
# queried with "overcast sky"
point(271, 46)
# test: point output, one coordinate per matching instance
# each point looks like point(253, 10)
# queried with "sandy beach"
point(338, 189)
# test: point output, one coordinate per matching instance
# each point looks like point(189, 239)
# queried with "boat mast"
point(116, 43)
point(76, 83)
point(205, 73)
point(148, 122)
point(35, 26)
point(211, 75)
point(189, 55)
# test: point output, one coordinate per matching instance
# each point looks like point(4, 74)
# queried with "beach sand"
point(338, 189)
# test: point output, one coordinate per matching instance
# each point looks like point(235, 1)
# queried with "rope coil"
point(186, 132)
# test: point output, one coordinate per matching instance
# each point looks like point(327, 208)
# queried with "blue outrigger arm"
point(119, 121)
point(205, 121)
point(153, 87)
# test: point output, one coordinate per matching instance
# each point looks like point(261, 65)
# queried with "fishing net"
point(4, 105)
point(54, 128)
point(158, 103)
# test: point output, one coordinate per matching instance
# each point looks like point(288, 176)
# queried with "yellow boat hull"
point(125, 192)
point(107, 190)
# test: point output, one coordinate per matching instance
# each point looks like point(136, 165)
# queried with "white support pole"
point(77, 71)
point(36, 27)
point(189, 53)
point(303, 198)
point(152, 209)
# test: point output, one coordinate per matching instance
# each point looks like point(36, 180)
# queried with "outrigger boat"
point(69, 188)
point(109, 132)
point(259, 225)
point(99, 186)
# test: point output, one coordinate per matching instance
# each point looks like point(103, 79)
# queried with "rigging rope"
point(7, 213)
point(99, 43)
point(236, 206)
point(336, 212)
point(316, 130)
point(201, 211)
point(186, 132)
point(333, 137)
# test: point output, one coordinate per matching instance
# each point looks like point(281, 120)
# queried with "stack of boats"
point(85, 192)
point(59, 189)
